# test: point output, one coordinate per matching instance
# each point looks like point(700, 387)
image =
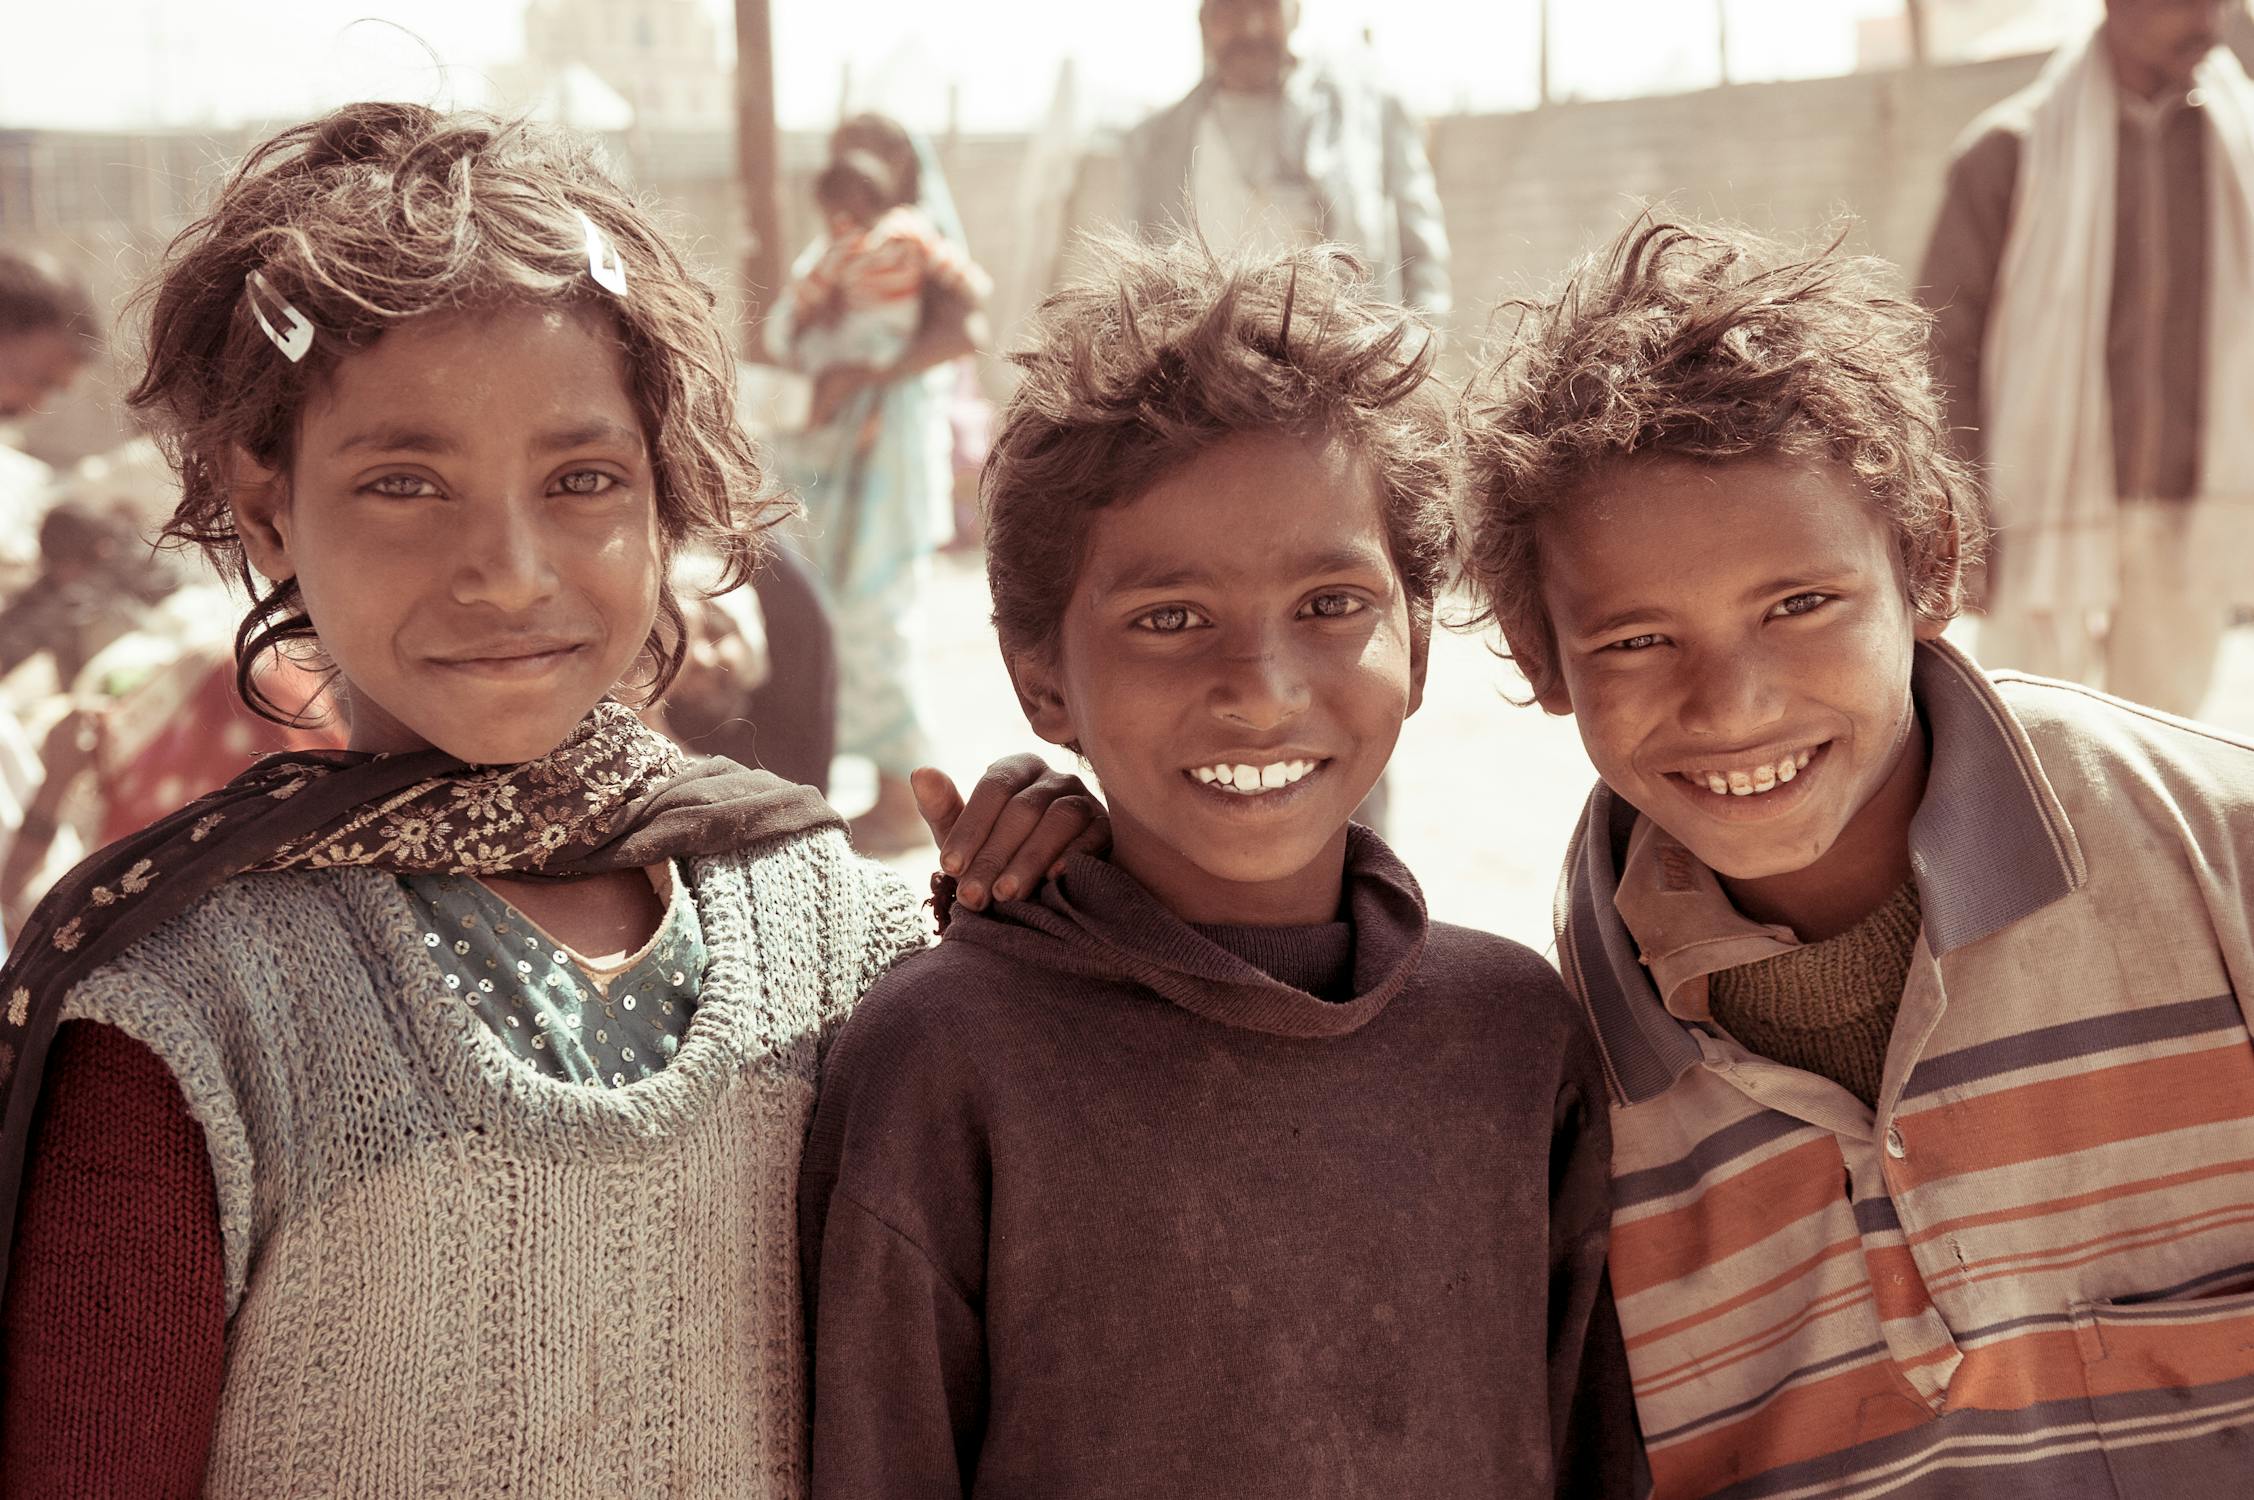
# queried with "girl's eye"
point(1334, 606)
point(1642, 642)
point(587, 482)
point(1167, 619)
point(1800, 604)
point(402, 486)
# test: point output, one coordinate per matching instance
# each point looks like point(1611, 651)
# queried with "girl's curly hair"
point(1170, 350)
point(376, 214)
point(1701, 342)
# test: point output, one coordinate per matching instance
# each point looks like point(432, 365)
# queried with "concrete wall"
point(1524, 193)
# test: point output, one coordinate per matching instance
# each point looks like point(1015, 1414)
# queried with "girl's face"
point(472, 523)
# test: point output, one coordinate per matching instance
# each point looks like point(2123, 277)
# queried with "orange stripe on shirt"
point(2062, 1115)
point(1711, 1362)
point(1706, 1314)
point(2015, 1373)
point(2144, 1237)
point(1855, 1406)
point(1893, 1281)
point(2082, 1200)
point(1728, 1217)
point(2120, 1356)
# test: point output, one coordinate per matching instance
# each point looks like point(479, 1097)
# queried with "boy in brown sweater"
point(1219, 1168)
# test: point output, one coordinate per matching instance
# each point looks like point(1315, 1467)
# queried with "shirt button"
point(1894, 1146)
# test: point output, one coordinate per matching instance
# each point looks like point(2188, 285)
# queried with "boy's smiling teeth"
point(1250, 780)
point(1751, 781)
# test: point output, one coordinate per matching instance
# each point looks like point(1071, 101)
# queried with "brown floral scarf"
point(614, 796)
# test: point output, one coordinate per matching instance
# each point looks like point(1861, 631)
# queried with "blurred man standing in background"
point(1271, 149)
point(2092, 273)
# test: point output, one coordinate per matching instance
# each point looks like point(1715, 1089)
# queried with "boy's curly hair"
point(1171, 350)
point(1701, 342)
point(376, 214)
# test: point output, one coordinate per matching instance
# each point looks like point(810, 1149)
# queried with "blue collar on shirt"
point(1989, 845)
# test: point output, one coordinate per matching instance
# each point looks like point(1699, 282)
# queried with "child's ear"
point(1420, 657)
point(1040, 697)
point(259, 499)
point(1541, 660)
point(1951, 585)
point(1927, 624)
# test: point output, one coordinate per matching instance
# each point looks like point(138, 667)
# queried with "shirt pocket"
point(2170, 1385)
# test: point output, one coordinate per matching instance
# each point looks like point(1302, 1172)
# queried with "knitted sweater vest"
point(449, 1275)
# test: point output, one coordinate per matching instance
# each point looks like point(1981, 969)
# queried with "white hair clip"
point(299, 335)
point(603, 260)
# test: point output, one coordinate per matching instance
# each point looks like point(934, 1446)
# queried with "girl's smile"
point(471, 518)
point(513, 659)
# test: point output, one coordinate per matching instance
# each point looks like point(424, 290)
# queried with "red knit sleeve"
point(114, 1326)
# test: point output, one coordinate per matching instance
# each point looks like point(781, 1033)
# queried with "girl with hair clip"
point(424, 1116)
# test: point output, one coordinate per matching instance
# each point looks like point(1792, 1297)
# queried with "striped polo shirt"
point(2030, 1270)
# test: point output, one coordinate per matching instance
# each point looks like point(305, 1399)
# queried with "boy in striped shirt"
point(1923, 994)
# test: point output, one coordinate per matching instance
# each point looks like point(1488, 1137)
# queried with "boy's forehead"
point(1256, 506)
point(1664, 526)
point(1127, 571)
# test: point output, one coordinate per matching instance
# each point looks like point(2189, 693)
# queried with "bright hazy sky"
point(97, 64)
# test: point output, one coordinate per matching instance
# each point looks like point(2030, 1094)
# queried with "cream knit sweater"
point(449, 1275)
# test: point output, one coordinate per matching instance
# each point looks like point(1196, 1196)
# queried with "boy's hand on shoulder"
point(1023, 820)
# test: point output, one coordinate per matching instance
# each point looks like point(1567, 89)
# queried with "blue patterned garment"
point(878, 485)
point(606, 1027)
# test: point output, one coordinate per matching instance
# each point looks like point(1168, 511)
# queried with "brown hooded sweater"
point(1100, 1204)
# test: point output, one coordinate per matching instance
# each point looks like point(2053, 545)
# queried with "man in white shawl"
point(2092, 276)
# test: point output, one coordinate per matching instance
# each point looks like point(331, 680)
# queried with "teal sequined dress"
point(559, 1014)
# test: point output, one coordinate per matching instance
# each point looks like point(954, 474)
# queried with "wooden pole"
point(1920, 41)
point(1722, 38)
point(1542, 50)
point(758, 167)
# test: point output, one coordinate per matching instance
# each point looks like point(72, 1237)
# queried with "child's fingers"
point(937, 799)
point(1064, 823)
point(975, 823)
point(1014, 827)
point(1095, 839)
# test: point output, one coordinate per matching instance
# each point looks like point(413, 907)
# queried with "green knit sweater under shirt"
point(1827, 1007)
